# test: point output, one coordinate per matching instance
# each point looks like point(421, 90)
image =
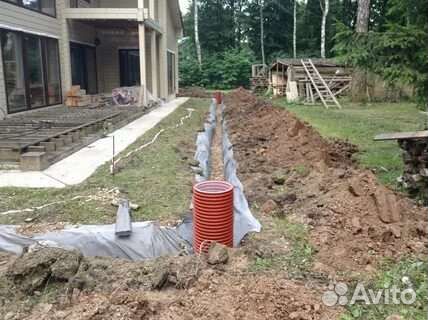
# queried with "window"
point(171, 72)
point(31, 70)
point(13, 65)
point(44, 6)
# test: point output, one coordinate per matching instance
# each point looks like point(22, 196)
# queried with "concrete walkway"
point(80, 165)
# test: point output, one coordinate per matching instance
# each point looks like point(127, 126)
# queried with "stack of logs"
point(415, 176)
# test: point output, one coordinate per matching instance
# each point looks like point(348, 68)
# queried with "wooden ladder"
point(327, 97)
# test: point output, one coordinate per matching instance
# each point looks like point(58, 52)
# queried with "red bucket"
point(212, 214)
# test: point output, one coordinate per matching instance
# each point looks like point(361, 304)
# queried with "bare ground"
point(289, 172)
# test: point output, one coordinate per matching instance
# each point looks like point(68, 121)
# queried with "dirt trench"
point(290, 171)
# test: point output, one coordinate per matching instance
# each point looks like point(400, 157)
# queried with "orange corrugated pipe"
point(212, 214)
point(218, 96)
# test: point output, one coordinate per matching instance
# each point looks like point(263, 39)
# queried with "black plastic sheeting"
point(148, 239)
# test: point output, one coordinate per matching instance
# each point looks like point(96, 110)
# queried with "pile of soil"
point(290, 170)
point(194, 92)
point(52, 283)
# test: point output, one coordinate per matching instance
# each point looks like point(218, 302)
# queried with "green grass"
point(359, 124)
point(392, 274)
point(158, 178)
point(299, 259)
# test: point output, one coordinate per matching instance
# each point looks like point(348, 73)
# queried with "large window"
point(31, 70)
point(171, 72)
point(84, 67)
point(44, 6)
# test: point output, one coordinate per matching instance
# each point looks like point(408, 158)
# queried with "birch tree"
point(324, 8)
point(262, 33)
point(294, 29)
point(197, 43)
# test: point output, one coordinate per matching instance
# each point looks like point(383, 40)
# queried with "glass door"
point(33, 57)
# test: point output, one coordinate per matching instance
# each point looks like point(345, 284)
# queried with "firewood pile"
point(415, 176)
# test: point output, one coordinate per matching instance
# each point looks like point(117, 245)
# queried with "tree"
point(324, 10)
point(262, 34)
point(197, 43)
point(294, 29)
point(363, 13)
point(359, 91)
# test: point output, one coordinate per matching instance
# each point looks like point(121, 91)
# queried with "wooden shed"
point(312, 79)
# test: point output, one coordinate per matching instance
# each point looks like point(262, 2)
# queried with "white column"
point(154, 63)
point(64, 47)
point(152, 9)
point(142, 47)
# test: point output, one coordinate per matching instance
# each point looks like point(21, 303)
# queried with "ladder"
point(327, 97)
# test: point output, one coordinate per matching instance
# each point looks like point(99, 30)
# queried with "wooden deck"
point(54, 133)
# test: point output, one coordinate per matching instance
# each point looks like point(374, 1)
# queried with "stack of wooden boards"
point(77, 97)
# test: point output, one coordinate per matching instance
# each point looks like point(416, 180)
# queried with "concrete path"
point(80, 165)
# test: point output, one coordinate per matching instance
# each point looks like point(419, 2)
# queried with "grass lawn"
point(158, 178)
point(359, 124)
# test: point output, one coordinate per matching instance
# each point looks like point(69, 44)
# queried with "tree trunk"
point(197, 43)
point(262, 33)
point(363, 16)
point(359, 78)
point(294, 29)
point(324, 10)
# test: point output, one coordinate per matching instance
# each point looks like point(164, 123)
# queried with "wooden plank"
point(402, 135)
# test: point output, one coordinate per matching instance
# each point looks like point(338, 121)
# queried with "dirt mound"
point(251, 297)
point(355, 221)
point(194, 92)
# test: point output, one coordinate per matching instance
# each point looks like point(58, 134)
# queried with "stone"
point(160, 278)
point(68, 139)
point(34, 161)
point(394, 317)
point(7, 154)
point(217, 254)
point(355, 188)
point(30, 272)
point(269, 206)
point(356, 225)
point(279, 180)
point(387, 205)
point(286, 198)
point(50, 146)
point(75, 135)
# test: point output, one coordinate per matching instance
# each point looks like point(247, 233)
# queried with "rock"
point(286, 198)
point(387, 206)
point(340, 173)
point(217, 254)
point(356, 225)
point(279, 180)
point(194, 163)
point(294, 130)
point(269, 207)
point(30, 272)
point(355, 188)
point(394, 317)
point(160, 278)
point(396, 231)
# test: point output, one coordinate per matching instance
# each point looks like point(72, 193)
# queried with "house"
point(49, 45)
